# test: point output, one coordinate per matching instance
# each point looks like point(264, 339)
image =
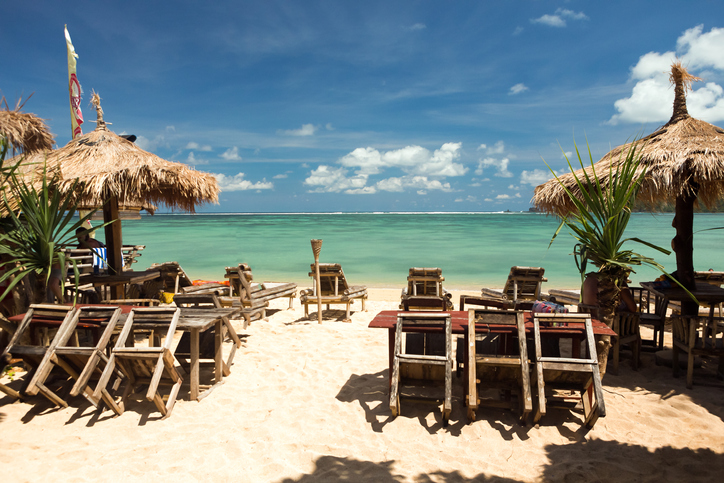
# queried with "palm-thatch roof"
point(24, 131)
point(685, 155)
point(106, 164)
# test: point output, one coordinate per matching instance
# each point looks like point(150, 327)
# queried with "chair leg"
point(690, 371)
point(675, 361)
point(616, 353)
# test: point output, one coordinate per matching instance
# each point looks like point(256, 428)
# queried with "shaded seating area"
point(414, 371)
point(424, 291)
point(558, 377)
point(652, 312)
point(494, 366)
point(334, 289)
point(146, 365)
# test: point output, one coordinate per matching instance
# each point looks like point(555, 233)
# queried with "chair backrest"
point(151, 318)
point(331, 278)
point(40, 314)
point(107, 316)
point(493, 317)
point(524, 283)
point(701, 332)
point(580, 320)
point(593, 310)
point(197, 300)
point(232, 273)
point(425, 281)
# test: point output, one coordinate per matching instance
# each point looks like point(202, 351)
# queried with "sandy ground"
point(308, 402)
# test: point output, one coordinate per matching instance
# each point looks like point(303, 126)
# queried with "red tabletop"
point(387, 319)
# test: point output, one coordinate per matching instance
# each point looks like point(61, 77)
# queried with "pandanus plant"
point(598, 223)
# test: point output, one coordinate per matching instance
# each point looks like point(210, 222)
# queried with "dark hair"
point(81, 231)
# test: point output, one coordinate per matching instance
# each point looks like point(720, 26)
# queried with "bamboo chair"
point(523, 283)
point(568, 373)
point(655, 319)
point(334, 289)
point(424, 291)
point(38, 317)
point(252, 294)
point(488, 369)
point(428, 366)
point(696, 335)
point(80, 362)
point(146, 365)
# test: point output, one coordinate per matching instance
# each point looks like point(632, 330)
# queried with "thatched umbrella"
point(684, 160)
point(24, 131)
point(114, 170)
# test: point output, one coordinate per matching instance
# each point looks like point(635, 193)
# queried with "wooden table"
point(387, 319)
point(119, 279)
point(705, 293)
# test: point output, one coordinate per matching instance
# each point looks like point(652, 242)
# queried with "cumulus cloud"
point(558, 19)
point(281, 176)
point(422, 170)
point(305, 130)
point(494, 160)
point(507, 197)
point(535, 177)
point(231, 154)
point(517, 89)
point(497, 148)
point(238, 183)
point(652, 96)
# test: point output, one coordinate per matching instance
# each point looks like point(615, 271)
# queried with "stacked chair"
point(334, 289)
point(488, 369)
point(696, 335)
point(430, 365)
point(424, 291)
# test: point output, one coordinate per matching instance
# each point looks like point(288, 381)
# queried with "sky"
point(358, 106)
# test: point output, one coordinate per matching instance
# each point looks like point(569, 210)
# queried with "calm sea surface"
point(473, 250)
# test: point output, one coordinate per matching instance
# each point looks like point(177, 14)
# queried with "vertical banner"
point(76, 116)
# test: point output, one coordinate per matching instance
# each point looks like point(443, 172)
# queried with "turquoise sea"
point(377, 249)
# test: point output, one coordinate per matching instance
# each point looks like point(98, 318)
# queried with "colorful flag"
point(76, 116)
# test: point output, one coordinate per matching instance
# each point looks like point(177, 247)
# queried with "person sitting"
point(85, 240)
point(590, 295)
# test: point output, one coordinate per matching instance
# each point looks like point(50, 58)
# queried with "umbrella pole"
point(316, 248)
point(114, 243)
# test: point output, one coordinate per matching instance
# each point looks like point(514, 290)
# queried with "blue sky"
point(309, 106)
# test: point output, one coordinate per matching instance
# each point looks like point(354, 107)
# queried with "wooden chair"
point(627, 327)
point(655, 319)
point(424, 366)
point(334, 289)
point(488, 368)
point(696, 335)
point(172, 276)
point(32, 347)
point(254, 294)
point(146, 365)
point(523, 283)
point(579, 374)
point(424, 291)
point(80, 362)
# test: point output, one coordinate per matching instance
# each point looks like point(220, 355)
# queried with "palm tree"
point(598, 223)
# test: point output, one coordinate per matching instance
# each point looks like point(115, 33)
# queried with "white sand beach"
point(309, 402)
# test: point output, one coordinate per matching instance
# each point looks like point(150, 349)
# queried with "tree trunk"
point(683, 245)
point(609, 295)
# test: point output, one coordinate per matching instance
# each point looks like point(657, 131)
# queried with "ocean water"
point(473, 249)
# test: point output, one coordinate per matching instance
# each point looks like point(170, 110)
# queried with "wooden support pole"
point(114, 243)
point(316, 248)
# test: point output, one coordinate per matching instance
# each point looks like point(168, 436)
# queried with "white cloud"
point(535, 177)
point(281, 176)
point(305, 130)
point(231, 154)
point(500, 165)
point(195, 146)
point(507, 197)
point(517, 89)
point(652, 97)
point(238, 183)
point(518, 30)
point(191, 159)
point(558, 19)
point(422, 170)
point(497, 148)
point(417, 26)
point(469, 198)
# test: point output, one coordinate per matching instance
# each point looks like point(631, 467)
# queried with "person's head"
point(82, 234)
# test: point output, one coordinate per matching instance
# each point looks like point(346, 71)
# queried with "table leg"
point(391, 346)
point(218, 345)
point(194, 376)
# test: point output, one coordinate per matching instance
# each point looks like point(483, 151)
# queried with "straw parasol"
point(24, 131)
point(684, 160)
point(113, 169)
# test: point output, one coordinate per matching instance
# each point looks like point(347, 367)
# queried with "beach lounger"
point(80, 362)
point(488, 368)
point(523, 283)
point(424, 291)
point(334, 289)
point(172, 278)
point(696, 336)
point(430, 366)
point(146, 365)
point(30, 342)
point(250, 291)
point(568, 374)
